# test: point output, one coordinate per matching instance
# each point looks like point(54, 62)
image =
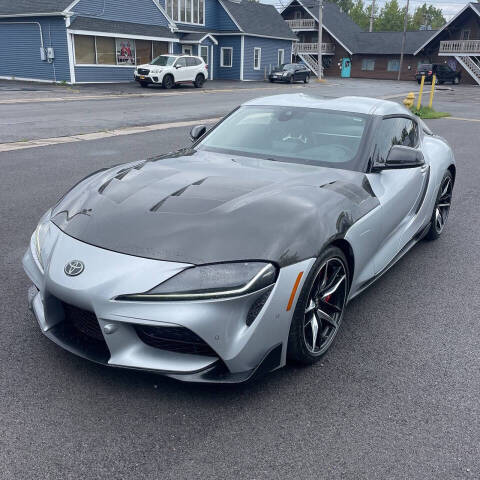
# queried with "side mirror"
point(197, 131)
point(178, 66)
point(400, 156)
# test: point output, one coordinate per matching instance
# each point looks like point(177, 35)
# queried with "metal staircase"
point(310, 62)
point(471, 65)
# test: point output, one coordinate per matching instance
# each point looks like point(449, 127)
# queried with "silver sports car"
point(229, 258)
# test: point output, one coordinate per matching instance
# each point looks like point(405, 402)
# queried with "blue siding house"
point(93, 41)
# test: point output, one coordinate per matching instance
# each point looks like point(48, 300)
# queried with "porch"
point(459, 47)
point(312, 48)
point(302, 24)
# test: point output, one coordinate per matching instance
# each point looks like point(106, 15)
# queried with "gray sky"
point(449, 7)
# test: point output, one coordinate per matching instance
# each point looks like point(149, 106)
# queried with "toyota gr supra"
point(230, 258)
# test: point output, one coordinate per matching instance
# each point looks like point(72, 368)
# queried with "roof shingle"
point(19, 7)
point(259, 19)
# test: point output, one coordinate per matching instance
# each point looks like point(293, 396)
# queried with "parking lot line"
point(14, 101)
point(46, 142)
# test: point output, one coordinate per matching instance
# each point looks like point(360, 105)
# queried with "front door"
point(399, 191)
point(346, 67)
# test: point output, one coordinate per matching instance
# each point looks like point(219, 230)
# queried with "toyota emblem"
point(74, 268)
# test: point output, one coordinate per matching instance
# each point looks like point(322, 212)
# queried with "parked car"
point(442, 72)
point(290, 72)
point(221, 261)
point(171, 70)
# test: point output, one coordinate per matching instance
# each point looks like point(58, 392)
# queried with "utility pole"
point(372, 13)
point(320, 28)
point(404, 37)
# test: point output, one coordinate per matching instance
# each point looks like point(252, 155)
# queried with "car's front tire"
point(307, 79)
point(199, 81)
point(320, 307)
point(441, 209)
point(168, 82)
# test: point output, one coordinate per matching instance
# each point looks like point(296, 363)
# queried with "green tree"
point(428, 16)
point(360, 15)
point(390, 18)
point(345, 5)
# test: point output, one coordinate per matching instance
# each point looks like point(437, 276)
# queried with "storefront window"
point(91, 50)
point(125, 51)
point(144, 51)
point(159, 48)
point(105, 51)
point(84, 50)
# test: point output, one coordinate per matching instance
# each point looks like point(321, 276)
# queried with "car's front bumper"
point(239, 351)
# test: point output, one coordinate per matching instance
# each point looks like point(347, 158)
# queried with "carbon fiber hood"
point(203, 207)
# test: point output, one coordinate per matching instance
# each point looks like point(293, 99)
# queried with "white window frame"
point(169, 10)
point(186, 47)
point(278, 56)
point(222, 49)
point(257, 67)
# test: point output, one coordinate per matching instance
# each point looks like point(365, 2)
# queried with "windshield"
point(287, 66)
point(425, 66)
point(299, 135)
point(163, 61)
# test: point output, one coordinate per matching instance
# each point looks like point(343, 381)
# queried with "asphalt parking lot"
point(397, 397)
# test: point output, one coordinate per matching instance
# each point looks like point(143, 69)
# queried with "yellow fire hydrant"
point(410, 98)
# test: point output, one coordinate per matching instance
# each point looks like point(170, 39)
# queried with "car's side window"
point(191, 62)
point(395, 131)
point(181, 62)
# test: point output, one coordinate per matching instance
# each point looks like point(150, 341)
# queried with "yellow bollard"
point(432, 91)
point(410, 98)
point(420, 93)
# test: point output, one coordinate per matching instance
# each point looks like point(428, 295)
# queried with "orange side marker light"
point(294, 291)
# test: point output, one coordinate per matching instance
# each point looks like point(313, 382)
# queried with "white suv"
point(170, 70)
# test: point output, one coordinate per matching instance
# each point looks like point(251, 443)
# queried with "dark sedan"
point(290, 72)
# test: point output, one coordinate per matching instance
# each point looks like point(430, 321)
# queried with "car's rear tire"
point(144, 84)
point(199, 81)
point(168, 82)
point(441, 208)
point(320, 307)
point(307, 79)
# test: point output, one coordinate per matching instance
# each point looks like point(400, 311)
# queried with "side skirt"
point(415, 239)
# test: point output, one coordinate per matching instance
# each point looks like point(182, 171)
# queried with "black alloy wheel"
point(442, 207)
point(168, 82)
point(320, 308)
point(199, 81)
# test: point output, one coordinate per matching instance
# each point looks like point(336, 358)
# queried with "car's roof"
point(366, 105)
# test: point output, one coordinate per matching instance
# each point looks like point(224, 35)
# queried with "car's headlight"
point(212, 281)
point(39, 236)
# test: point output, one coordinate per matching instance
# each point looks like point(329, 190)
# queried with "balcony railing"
point(302, 24)
point(460, 47)
point(312, 48)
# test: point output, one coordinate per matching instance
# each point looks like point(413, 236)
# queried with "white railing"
point(302, 24)
point(312, 48)
point(460, 46)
